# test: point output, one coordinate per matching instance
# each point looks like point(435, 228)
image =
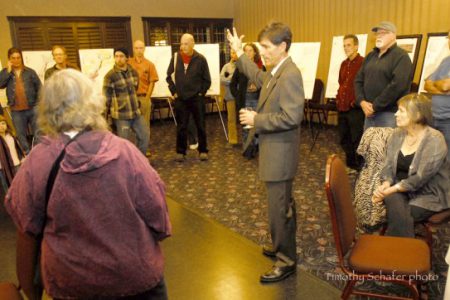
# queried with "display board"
point(336, 59)
point(306, 57)
point(95, 63)
point(211, 53)
point(411, 44)
point(437, 50)
point(160, 56)
point(40, 61)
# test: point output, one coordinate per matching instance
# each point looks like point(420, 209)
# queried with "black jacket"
point(194, 82)
point(383, 80)
point(238, 88)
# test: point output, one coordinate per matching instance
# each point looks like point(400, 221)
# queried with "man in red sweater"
point(350, 114)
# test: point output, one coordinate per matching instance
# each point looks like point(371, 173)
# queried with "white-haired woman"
point(415, 176)
point(106, 211)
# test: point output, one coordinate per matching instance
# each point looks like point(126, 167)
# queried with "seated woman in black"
point(415, 176)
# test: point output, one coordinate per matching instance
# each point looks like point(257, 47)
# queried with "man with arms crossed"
point(277, 122)
point(350, 115)
point(438, 84)
point(384, 77)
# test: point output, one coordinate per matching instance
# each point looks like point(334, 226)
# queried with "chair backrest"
point(318, 91)
point(338, 190)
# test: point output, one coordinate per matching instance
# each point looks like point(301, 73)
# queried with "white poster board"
point(437, 50)
point(40, 61)
point(337, 57)
point(3, 100)
point(95, 63)
point(306, 57)
point(160, 56)
point(211, 53)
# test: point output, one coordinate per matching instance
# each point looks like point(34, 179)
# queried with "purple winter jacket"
point(105, 216)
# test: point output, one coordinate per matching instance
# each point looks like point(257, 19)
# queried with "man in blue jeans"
point(22, 89)
point(119, 87)
point(438, 84)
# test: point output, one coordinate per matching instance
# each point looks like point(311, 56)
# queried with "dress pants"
point(350, 127)
point(282, 221)
point(145, 106)
point(232, 121)
point(401, 216)
point(184, 108)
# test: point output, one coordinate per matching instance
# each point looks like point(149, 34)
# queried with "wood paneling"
point(320, 20)
point(74, 33)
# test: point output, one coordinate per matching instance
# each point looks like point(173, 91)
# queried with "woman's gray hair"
point(418, 108)
point(69, 102)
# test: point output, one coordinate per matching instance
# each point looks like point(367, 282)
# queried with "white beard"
point(379, 43)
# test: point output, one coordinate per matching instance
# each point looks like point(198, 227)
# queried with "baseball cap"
point(386, 25)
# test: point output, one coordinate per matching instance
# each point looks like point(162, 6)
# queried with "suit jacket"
point(280, 112)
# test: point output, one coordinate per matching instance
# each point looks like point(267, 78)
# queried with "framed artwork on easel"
point(411, 44)
point(436, 51)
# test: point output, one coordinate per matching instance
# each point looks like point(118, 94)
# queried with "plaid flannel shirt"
point(119, 88)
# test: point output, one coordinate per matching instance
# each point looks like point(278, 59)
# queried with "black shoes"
point(278, 273)
point(267, 250)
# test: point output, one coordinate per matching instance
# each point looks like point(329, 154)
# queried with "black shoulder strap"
point(52, 176)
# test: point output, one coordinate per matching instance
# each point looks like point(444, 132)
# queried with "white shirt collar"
point(275, 69)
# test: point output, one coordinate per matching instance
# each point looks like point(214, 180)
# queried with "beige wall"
point(320, 20)
point(310, 20)
point(105, 8)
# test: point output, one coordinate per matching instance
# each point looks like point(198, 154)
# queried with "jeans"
point(138, 126)
point(22, 119)
point(381, 119)
point(184, 108)
point(159, 292)
point(444, 127)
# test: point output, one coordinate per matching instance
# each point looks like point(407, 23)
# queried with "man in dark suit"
point(277, 122)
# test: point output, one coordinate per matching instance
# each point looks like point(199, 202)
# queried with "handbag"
point(29, 247)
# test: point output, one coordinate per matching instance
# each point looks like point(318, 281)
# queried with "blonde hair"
point(418, 108)
point(70, 102)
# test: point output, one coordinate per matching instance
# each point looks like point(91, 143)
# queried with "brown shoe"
point(180, 157)
point(278, 273)
point(203, 156)
point(267, 250)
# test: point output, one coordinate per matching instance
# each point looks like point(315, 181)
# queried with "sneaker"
point(203, 156)
point(193, 146)
point(180, 157)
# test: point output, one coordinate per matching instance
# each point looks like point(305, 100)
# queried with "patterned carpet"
point(227, 190)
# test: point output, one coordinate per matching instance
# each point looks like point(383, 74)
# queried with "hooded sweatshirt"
point(105, 216)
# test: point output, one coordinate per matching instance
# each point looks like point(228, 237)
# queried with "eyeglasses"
point(381, 33)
